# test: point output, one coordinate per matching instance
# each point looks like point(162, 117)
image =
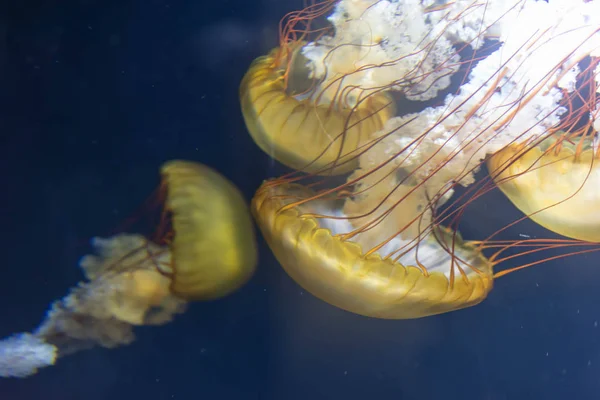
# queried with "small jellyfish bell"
point(385, 242)
point(213, 242)
point(204, 249)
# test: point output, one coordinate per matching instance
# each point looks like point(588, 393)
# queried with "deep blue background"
point(95, 95)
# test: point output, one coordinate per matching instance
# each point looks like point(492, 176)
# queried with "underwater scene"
point(315, 199)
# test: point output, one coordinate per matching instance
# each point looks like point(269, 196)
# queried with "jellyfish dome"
point(214, 248)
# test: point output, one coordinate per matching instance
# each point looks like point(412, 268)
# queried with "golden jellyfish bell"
point(555, 186)
point(343, 274)
point(214, 247)
point(290, 124)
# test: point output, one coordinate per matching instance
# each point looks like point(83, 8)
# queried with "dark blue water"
point(95, 95)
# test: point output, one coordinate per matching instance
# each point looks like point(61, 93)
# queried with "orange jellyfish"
point(208, 253)
point(385, 243)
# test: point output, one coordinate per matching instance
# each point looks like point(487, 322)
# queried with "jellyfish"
point(131, 281)
point(294, 122)
point(386, 242)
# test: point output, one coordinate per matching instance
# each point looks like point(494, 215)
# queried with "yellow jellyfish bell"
point(341, 273)
point(293, 127)
point(557, 187)
point(214, 247)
